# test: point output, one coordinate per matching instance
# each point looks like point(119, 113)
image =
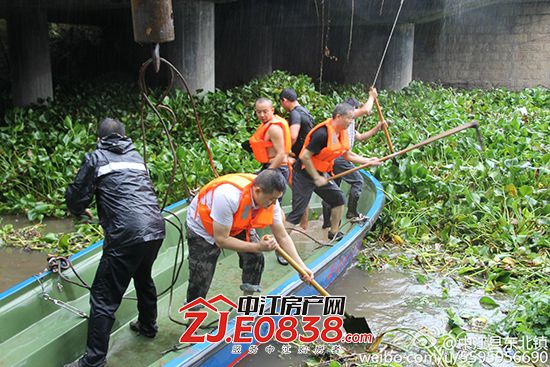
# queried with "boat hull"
point(37, 332)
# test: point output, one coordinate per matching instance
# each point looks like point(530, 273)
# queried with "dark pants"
point(116, 267)
point(355, 180)
point(203, 257)
point(302, 189)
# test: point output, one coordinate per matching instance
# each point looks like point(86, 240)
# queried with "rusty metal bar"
point(153, 21)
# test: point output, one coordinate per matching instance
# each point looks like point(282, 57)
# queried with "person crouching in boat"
point(223, 216)
point(324, 143)
point(134, 229)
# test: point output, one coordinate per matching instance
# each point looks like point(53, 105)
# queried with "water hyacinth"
point(478, 217)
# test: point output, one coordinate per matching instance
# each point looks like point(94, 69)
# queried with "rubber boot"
point(352, 207)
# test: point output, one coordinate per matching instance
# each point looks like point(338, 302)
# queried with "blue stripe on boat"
point(221, 357)
point(81, 253)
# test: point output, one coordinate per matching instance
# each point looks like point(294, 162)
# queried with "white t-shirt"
point(351, 134)
point(223, 203)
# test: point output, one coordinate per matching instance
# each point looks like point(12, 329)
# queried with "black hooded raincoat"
point(127, 205)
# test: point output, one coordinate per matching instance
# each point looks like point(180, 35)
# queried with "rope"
point(387, 43)
point(307, 235)
point(360, 220)
point(59, 263)
point(175, 273)
point(175, 348)
point(55, 264)
point(323, 44)
point(351, 28)
point(156, 107)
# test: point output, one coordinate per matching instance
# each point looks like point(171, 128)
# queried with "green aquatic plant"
point(480, 218)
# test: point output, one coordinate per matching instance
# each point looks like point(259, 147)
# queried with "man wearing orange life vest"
point(271, 142)
point(223, 216)
point(324, 143)
point(354, 179)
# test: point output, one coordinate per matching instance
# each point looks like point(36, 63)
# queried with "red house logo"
point(209, 303)
point(198, 316)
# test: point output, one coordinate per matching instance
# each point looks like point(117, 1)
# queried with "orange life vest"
point(242, 220)
point(260, 146)
point(336, 146)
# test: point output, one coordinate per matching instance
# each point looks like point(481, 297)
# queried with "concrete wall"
point(398, 63)
point(193, 50)
point(506, 45)
point(29, 57)
point(367, 50)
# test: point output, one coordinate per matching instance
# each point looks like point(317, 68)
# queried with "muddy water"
point(17, 265)
point(54, 225)
point(391, 299)
point(388, 298)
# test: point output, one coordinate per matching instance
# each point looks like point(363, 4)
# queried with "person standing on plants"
point(134, 230)
point(324, 143)
point(354, 179)
point(223, 216)
point(301, 122)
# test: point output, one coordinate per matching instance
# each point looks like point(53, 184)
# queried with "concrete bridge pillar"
point(30, 65)
point(258, 55)
point(398, 64)
point(192, 52)
point(244, 42)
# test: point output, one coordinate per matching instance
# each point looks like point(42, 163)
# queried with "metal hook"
point(156, 56)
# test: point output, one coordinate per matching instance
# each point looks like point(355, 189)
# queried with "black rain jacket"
point(127, 205)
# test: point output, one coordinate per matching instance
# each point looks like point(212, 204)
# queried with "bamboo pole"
point(473, 124)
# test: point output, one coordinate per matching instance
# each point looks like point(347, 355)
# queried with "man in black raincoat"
point(134, 229)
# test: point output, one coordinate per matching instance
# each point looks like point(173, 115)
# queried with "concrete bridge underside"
point(224, 43)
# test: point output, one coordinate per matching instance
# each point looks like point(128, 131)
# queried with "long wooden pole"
point(380, 116)
point(384, 124)
point(302, 272)
point(352, 324)
point(442, 135)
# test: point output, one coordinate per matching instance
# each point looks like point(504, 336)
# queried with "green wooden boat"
point(41, 318)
